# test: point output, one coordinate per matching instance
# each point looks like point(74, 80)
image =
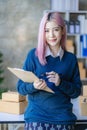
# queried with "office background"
point(19, 22)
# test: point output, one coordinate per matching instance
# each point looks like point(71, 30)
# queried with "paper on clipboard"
point(26, 76)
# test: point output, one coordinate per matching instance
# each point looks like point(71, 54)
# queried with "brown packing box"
point(12, 96)
point(83, 73)
point(70, 49)
point(84, 90)
point(84, 109)
point(82, 70)
point(69, 43)
point(83, 105)
point(13, 107)
point(80, 64)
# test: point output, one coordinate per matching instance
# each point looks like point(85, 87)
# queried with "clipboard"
point(26, 76)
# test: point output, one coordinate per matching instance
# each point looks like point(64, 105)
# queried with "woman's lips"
point(52, 40)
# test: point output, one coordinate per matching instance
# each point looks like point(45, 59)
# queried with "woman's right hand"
point(40, 84)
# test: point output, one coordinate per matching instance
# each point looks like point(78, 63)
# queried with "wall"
point(19, 21)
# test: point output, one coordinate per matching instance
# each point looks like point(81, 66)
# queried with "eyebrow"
point(53, 27)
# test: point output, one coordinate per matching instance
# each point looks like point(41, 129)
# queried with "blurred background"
point(19, 22)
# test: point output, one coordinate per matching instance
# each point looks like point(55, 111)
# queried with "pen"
point(44, 74)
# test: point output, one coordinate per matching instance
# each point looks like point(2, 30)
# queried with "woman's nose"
point(51, 34)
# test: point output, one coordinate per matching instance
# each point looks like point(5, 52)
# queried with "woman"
point(56, 69)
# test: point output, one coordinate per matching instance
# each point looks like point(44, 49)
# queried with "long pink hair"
point(40, 50)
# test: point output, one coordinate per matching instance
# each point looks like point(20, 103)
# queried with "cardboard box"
point(13, 107)
point(84, 90)
point(82, 70)
point(80, 64)
point(70, 49)
point(12, 96)
point(83, 105)
point(83, 73)
point(83, 110)
point(69, 42)
point(69, 45)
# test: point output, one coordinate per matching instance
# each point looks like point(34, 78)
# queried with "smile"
point(52, 40)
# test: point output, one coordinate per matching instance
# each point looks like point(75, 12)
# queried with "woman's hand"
point(53, 77)
point(40, 84)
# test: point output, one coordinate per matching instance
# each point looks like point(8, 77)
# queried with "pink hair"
point(40, 51)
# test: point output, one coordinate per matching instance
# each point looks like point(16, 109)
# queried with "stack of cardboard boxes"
point(71, 48)
point(13, 102)
point(83, 101)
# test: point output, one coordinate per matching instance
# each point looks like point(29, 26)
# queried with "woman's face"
point(53, 34)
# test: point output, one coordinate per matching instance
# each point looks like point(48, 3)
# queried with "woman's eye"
point(46, 30)
point(57, 29)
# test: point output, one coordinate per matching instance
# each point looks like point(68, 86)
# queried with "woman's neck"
point(54, 50)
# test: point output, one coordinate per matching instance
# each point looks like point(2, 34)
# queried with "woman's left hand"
point(53, 77)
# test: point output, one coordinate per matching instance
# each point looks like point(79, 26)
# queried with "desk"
point(12, 121)
point(13, 118)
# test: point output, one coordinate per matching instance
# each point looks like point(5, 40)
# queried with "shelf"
point(79, 11)
point(76, 21)
point(84, 79)
point(85, 58)
point(66, 11)
point(73, 34)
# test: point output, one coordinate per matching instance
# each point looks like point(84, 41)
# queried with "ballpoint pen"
point(44, 74)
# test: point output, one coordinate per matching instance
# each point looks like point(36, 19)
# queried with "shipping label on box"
point(12, 96)
point(13, 107)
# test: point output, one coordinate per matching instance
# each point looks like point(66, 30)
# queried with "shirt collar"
point(60, 52)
